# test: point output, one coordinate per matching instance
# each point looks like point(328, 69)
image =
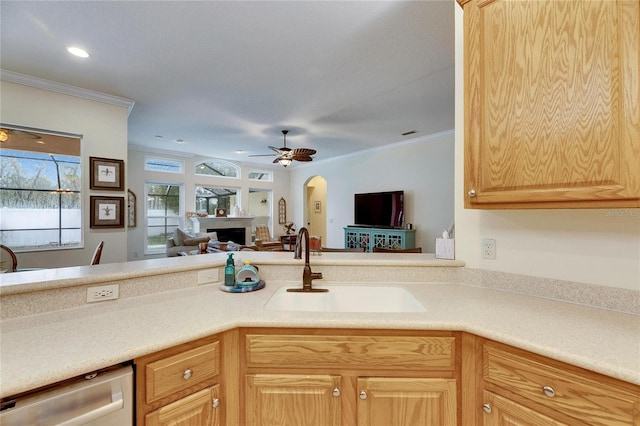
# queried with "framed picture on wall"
point(317, 207)
point(107, 212)
point(106, 174)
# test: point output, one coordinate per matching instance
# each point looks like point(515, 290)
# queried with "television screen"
point(382, 209)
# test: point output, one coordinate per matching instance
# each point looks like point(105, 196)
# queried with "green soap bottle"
point(230, 272)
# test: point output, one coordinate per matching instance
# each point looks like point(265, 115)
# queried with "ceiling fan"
point(287, 155)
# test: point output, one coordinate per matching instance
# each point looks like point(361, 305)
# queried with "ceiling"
point(228, 76)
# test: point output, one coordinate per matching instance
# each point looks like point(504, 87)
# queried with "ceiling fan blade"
point(280, 151)
point(304, 151)
point(302, 158)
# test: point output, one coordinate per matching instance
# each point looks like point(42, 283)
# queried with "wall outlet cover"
point(488, 248)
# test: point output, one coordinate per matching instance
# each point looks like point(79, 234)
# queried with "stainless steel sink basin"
point(347, 298)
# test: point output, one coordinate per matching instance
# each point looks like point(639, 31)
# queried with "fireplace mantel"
point(202, 224)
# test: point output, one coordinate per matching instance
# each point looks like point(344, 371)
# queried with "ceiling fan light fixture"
point(284, 161)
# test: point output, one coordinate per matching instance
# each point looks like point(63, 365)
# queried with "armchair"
point(264, 241)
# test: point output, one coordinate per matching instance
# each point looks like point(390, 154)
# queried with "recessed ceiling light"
point(240, 151)
point(180, 141)
point(77, 52)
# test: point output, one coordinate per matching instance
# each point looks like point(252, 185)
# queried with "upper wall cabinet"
point(552, 115)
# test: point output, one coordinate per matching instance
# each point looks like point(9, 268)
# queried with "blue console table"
point(356, 237)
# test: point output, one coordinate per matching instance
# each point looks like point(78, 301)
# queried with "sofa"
point(182, 242)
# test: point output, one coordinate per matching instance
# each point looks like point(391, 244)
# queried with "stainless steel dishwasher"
point(103, 398)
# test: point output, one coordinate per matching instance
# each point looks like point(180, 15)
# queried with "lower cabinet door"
point(406, 402)
point(292, 400)
point(499, 411)
point(200, 408)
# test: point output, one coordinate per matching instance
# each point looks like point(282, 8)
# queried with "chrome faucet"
point(307, 275)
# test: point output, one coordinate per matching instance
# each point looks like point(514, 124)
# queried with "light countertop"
point(40, 349)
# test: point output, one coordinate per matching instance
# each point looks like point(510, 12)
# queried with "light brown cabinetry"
point(342, 377)
point(534, 389)
point(292, 400)
point(384, 401)
point(552, 108)
point(196, 409)
point(180, 385)
point(504, 412)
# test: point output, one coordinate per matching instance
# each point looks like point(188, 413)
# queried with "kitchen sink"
point(347, 298)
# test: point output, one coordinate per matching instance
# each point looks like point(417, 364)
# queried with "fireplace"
point(237, 235)
point(236, 229)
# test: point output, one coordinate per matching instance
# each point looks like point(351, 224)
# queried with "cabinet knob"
point(336, 392)
point(216, 402)
point(549, 391)
point(486, 408)
point(187, 374)
point(471, 193)
point(363, 395)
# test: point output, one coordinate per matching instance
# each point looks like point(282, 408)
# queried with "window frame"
point(197, 164)
point(181, 212)
point(21, 150)
point(150, 158)
point(266, 172)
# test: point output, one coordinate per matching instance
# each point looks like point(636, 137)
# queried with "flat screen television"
point(379, 209)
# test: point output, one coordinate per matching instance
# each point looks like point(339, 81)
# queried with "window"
point(261, 175)
point(162, 214)
point(218, 168)
point(40, 190)
point(163, 165)
point(208, 199)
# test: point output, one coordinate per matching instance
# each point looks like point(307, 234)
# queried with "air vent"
point(410, 132)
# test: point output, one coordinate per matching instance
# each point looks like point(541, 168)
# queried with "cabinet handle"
point(486, 408)
point(548, 390)
point(363, 395)
point(216, 403)
point(472, 193)
point(187, 374)
point(336, 392)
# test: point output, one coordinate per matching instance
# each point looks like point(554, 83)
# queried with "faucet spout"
point(307, 275)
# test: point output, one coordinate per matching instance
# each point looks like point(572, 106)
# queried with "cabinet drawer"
point(181, 371)
point(397, 352)
point(581, 396)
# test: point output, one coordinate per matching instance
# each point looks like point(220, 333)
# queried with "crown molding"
point(66, 89)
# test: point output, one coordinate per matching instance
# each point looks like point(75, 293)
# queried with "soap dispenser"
point(230, 272)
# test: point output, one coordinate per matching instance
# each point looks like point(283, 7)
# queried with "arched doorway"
point(316, 206)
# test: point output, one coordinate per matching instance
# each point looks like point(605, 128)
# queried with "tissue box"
point(445, 248)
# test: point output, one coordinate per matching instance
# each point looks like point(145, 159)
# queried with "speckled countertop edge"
point(31, 354)
point(55, 278)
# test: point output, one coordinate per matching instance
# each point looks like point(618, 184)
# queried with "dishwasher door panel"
point(104, 400)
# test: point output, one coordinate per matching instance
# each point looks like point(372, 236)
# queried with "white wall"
point(589, 246)
point(422, 168)
point(138, 177)
point(104, 130)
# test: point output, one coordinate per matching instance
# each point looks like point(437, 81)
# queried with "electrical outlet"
point(488, 248)
point(208, 276)
point(104, 292)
